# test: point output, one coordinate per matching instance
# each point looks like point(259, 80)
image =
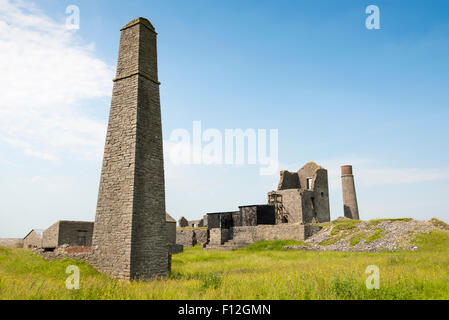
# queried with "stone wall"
point(183, 222)
point(201, 236)
point(268, 232)
point(222, 220)
point(291, 203)
point(75, 233)
point(189, 237)
point(171, 232)
point(50, 236)
point(289, 180)
point(11, 242)
point(218, 236)
point(252, 234)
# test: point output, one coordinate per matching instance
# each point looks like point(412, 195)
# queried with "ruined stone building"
point(33, 239)
point(191, 232)
point(292, 212)
point(302, 196)
point(72, 233)
point(183, 222)
point(76, 234)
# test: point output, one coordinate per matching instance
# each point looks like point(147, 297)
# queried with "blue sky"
point(337, 92)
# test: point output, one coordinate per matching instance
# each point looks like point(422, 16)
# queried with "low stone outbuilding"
point(173, 247)
point(73, 233)
point(33, 239)
point(171, 229)
point(183, 222)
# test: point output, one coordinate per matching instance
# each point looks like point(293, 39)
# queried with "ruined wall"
point(254, 215)
point(191, 237)
point(315, 202)
point(184, 237)
point(194, 223)
point(291, 204)
point(50, 236)
point(201, 236)
point(11, 242)
point(268, 232)
point(129, 237)
point(183, 222)
point(75, 233)
point(252, 234)
point(289, 180)
point(221, 219)
point(171, 232)
point(246, 217)
point(219, 236)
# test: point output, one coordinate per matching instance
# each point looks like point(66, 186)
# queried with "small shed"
point(33, 239)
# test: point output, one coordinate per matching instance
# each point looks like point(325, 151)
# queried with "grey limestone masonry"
point(171, 232)
point(302, 196)
point(33, 239)
point(250, 234)
point(129, 240)
point(190, 237)
point(201, 236)
point(218, 236)
point(183, 222)
point(73, 233)
point(350, 206)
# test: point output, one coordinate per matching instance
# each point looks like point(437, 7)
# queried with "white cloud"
point(369, 173)
point(46, 75)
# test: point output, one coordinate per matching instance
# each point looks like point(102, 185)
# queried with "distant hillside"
point(370, 236)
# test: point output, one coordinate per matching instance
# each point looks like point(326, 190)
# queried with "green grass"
point(341, 225)
point(355, 240)
point(367, 236)
point(377, 221)
point(438, 223)
point(261, 271)
point(376, 234)
point(340, 229)
point(274, 245)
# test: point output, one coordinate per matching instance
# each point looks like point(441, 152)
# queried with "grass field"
point(261, 271)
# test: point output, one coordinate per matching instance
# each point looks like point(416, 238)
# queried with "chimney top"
point(139, 20)
point(346, 170)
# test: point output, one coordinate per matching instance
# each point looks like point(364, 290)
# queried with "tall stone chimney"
point(129, 240)
point(350, 206)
